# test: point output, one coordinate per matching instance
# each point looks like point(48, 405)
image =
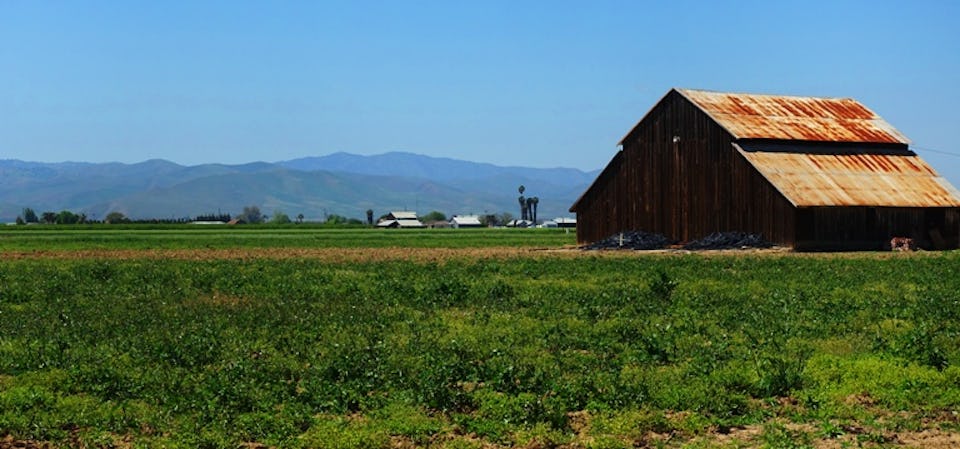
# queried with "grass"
point(535, 351)
point(125, 237)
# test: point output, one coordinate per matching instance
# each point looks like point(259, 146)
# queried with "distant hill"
point(340, 183)
point(436, 168)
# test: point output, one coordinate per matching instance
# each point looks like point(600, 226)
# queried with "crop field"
point(136, 237)
point(366, 339)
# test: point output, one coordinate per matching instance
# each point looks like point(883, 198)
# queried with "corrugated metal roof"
point(852, 178)
point(466, 220)
point(403, 215)
point(410, 223)
point(751, 116)
point(401, 223)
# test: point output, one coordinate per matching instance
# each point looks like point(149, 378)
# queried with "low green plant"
point(304, 352)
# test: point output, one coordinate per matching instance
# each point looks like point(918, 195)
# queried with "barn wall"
point(871, 228)
point(684, 188)
point(951, 228)
point(596, 209)
point(757, 207)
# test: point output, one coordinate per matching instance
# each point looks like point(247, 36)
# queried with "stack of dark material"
point(631, 240)
point(729, 240)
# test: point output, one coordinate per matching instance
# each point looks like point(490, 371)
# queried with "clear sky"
point(536, 83)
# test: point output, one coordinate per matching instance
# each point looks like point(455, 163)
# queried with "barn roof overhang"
point(824, 175)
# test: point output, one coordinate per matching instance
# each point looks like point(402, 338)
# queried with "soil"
point(751, 436)
point(416, 254)
point(351, 254)
point(742, 437)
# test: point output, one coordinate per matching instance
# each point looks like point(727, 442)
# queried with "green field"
point(51, 237)
point(530, 350)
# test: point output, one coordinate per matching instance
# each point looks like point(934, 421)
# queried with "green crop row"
point(587, 352)
point(34, 238)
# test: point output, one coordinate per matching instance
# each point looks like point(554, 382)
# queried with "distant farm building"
point(565, 222)
point(519, 224)
point(559, 222)
point(465, 221)
point(400, 219)
point(811, 173)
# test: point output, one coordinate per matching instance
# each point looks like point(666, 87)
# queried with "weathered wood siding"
point(598, 204)
point(679, 175)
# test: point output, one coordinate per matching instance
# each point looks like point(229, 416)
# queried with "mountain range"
point(340, 183)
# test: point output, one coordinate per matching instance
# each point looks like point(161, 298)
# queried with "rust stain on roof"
point(862, 179)
point(750, 116)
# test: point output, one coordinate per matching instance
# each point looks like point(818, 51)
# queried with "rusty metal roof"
point(851, 178)
point(751, 116)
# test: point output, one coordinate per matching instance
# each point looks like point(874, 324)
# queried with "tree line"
point(62, 217)
point(250, 214)
point(66, 217)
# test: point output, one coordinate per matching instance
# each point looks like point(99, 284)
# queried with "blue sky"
point(536, 83)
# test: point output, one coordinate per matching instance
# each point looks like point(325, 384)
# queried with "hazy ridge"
point(339, 183)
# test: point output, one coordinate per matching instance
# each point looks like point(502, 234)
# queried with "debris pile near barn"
point(637, 240)
point(729, 240)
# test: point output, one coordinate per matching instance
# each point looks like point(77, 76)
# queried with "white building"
point(565, 222)
point(400, 219)
point(465, 221)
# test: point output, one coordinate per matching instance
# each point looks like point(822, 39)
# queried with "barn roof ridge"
point(788, 117)
point(794, 118)
point(755, 94)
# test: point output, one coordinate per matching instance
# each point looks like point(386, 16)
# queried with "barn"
point(400, 219)
point(809, 173)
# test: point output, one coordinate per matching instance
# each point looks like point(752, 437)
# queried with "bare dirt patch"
point(422, 254)
point(752, 436)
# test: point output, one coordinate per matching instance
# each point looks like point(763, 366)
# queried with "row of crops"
point(140, 237)
point(591, 351)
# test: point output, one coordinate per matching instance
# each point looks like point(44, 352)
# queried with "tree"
point(491, 220)
point(523, 202)
point(29, 215)
point(67, 217)
point(534, 202)
point(334, 219)
point(488, 220)
point(369, 216)
point(115, 217)
point(49, 217)
point(251, 214)
point(299, 218)
point(20, 220)
point(280, 218)
point(433, 216)
point(504, 218)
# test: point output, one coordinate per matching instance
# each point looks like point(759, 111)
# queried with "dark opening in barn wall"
point(871, 228)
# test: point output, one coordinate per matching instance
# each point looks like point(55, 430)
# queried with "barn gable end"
point(801, 171)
